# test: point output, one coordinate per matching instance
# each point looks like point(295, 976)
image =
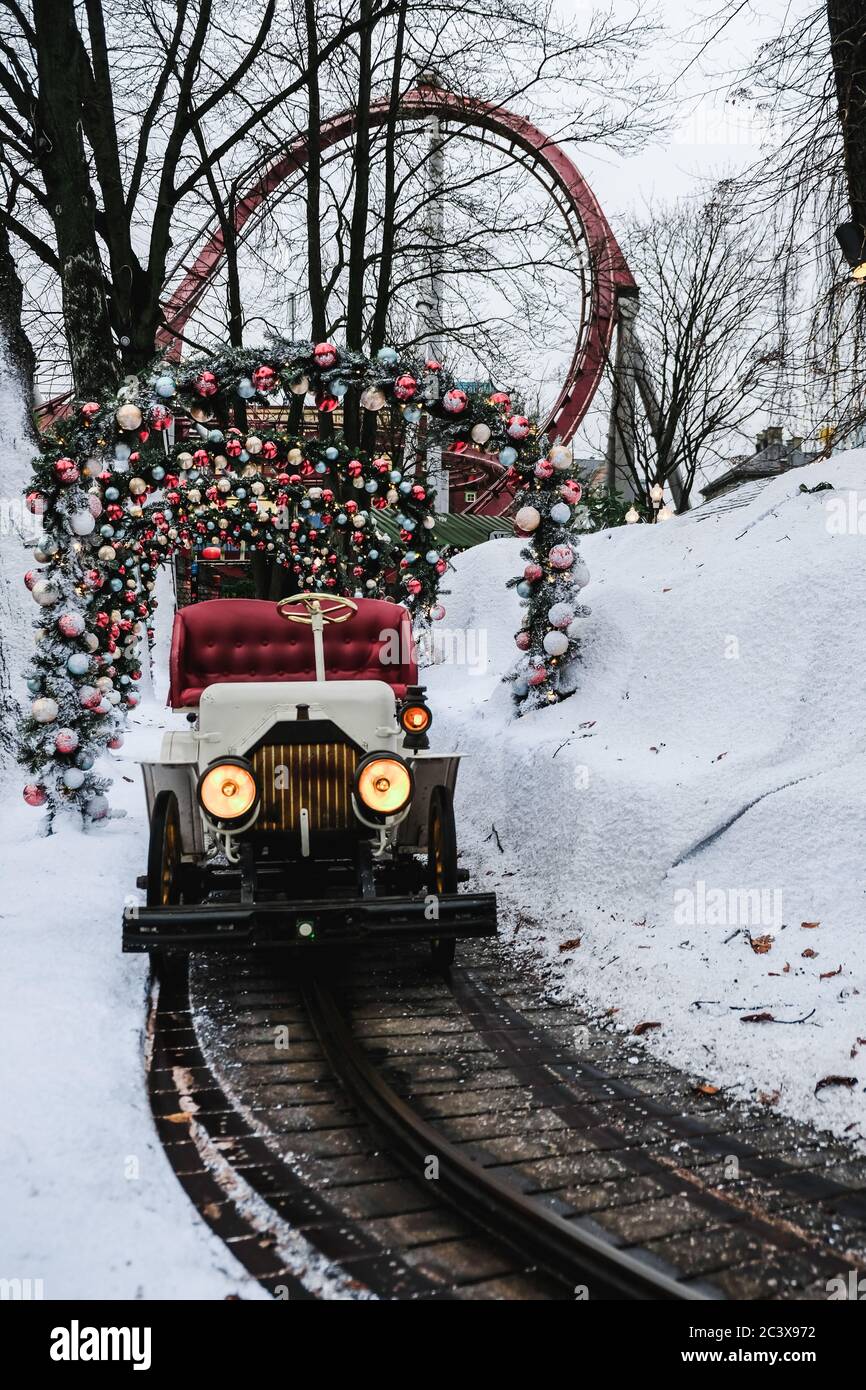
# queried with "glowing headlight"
point(383, 783)
point(228, 791)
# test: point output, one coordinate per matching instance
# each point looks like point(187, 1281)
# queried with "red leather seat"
point(245, 639)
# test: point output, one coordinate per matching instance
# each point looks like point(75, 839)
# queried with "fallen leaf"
point(668, 589)
point(570, 945)
point(769, 1097)
point(809, 954)
point(835, 1081)
point(640, 1028)
point(608, 1013)
point(587, 724)
point(706, 1089)
point(757, 1018)
point(719, 756)
point(829, 974)
point(761, 944)
point(810, 926)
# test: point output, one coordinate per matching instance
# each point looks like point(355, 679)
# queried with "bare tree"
point(705, 346)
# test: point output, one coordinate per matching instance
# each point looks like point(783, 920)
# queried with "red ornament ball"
point(89, 410)
point(405, 387)
point(455, 401)
point(264, 378)
point(67, 471)
point(543, 469)
point(206, 384)
point(502, 399)
point(537, 676)
point(517, 427)
point(35, 795)
point(522, 641)
point(35, 503)
point(66, 740)
point(325, 354)
point(532, 573)
point(30, 578)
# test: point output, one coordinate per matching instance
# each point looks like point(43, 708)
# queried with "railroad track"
point(381, 1133)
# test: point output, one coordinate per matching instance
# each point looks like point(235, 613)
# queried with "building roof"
point(456, 529)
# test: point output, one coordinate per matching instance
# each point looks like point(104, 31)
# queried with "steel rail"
point(560, 1247)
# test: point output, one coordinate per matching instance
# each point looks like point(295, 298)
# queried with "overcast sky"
point(709, 136)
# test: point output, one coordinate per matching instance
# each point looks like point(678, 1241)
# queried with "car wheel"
point(442, 865)
point(164, 877)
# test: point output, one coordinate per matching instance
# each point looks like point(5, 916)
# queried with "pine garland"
point(117, 498)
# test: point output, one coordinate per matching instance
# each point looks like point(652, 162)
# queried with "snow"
point(715, 747)
point(715, 742)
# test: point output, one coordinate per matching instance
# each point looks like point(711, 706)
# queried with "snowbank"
point(701, 796)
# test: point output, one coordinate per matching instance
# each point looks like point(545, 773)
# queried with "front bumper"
point(234, 926)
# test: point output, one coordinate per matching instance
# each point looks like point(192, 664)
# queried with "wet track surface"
point(260, 1121)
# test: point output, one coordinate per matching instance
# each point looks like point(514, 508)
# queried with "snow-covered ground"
point(695, 815)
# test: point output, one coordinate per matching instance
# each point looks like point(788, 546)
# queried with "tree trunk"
point(360, 211)
point(848, 48)
point(63, 164)
point(18, 445)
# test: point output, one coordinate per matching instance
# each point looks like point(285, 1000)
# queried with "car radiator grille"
point(317, 776)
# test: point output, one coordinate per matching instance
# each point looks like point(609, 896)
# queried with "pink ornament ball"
point(71, 624)
point(131, 700)
point(537, 676)
point(30, 578)
point(523, 641)
point(206, 384)
point(437, 612)
point(571, 492)
point(66, 740)
point(533, 573)
point(116, 742)
point(35, 795)
point(543, 469)
point(561, 557)
point(35, 503)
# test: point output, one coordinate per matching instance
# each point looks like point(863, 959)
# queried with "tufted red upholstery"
point(245, 639)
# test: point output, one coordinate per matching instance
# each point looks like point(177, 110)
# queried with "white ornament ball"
point(254, 444)
point(580, 575)
point(45, 710)
point(572, 632)
point(44, 593)
point(129, 417)
point(555, 643)
point(527, 519)
point(82, 523)
point(560, 615)
point(73, 778)
point(97, 807)
point(560, 513)
point(480, 433)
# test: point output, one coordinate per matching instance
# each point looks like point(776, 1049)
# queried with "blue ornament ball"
point(164, 386)
point(84, 759)
point(431, 557)
point(78, 664)
point(395, 476)
point(405, 488)
point(411, 414)
point(122, 452)
point(507, 456)
point(111, 495)
point(332, 453)
point(341, 518)
point(321, 468)
point(371, 486)
point(215, 437)
point(157, 473)
point(106, 532)
point(372, 554)
point(520, 687)
point(246, 390)
point(116, 585)
point(524, 589)
point(387, 355)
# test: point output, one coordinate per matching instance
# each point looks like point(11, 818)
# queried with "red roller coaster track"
point(609, 275)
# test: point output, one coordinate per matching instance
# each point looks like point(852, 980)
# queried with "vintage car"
point(302, 806)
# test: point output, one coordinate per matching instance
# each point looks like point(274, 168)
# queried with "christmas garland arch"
point(116, 496)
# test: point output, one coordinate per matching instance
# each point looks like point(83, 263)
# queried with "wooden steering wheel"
point(331, 608)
